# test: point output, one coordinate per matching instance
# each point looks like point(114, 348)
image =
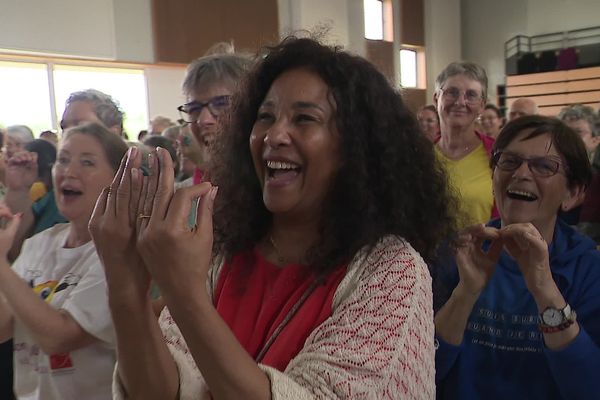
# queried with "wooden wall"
point(381, 54)
point(555, 90)
point(185, 29)
point(412, 27)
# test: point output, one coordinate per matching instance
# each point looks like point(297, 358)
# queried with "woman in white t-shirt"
point(53, 302)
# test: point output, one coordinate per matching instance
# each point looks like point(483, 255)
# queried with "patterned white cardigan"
point(378, 342)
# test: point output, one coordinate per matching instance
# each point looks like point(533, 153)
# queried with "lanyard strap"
point(287, 319)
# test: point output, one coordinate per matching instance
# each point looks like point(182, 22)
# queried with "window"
point(25, 95)
point(373, 19)
point(408, 68)
point(412, 67)
point(34, 94)
point(126, 86)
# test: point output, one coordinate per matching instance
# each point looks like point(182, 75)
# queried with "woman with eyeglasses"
point(460, 96)
point(523, 319)
point(208, 85)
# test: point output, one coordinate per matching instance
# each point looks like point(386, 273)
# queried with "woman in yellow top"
point(460, 97)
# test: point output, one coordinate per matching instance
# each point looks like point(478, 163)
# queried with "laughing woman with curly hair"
point(316, 283)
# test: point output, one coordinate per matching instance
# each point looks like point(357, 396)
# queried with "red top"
point(198, 175)
point(253, 296)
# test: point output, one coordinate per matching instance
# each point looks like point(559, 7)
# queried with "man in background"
point(522, 107)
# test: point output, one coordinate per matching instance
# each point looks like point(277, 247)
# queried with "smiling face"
point(80, 173)
point(295, 144)
point(429, 124)
point(522, 196)
point(207, 124)
point(458, 113)
point(490, 123)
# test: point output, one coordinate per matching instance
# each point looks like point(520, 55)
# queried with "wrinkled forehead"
point(532, 146)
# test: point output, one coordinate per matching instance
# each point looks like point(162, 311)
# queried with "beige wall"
point(343, 18)
point(121, 30)
point(488, 24)
point(100, 29)
point(442, 37)
point(164, 90)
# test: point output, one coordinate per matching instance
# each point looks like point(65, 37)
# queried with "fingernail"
point(150, 160)
point(19, 214)
point(132, 152)
point(213, 192)
point(135, 173)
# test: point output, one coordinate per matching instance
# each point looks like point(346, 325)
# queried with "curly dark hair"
point(389, 183)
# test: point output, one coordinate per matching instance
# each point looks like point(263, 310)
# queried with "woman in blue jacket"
point(523, 319)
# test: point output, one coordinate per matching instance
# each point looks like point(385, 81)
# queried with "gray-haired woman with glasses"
point(523, 319)
point(460, 97)
point(209, 82)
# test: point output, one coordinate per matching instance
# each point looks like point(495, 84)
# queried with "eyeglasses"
point(451, 95)
point(190, 112)
point(539, 166)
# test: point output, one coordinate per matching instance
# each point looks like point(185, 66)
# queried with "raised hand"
point(112, 227)
point(22, 171)
point(529, 249)
point(177, 255)
point(476, 266)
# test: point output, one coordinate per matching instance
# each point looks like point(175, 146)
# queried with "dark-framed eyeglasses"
point(189, 112)
point(452, 94)
point(539, 166)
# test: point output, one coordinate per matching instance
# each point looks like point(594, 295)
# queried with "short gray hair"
point(467, 68)
point(105, 107)
point(215, 68)
point(576, 112)
point(20, 132)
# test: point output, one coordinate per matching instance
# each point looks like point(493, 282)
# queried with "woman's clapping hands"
point(141, 229)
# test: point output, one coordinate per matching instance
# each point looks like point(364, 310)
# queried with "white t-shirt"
point(72, 280)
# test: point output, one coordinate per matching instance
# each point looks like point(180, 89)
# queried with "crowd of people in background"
point(298, 232)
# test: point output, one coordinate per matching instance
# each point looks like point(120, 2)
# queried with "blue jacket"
point(503, 356)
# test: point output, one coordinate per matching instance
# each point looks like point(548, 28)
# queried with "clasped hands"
point(522, 241)
point(141, 230)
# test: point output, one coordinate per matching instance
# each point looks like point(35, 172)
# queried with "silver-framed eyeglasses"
point(539, 166)
point(452, 94)
point(190, 112)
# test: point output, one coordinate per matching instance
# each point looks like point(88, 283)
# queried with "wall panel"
point(185, 29)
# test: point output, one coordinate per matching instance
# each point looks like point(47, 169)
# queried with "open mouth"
point(68, 192)
point(281, 169)
point(521, 195)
